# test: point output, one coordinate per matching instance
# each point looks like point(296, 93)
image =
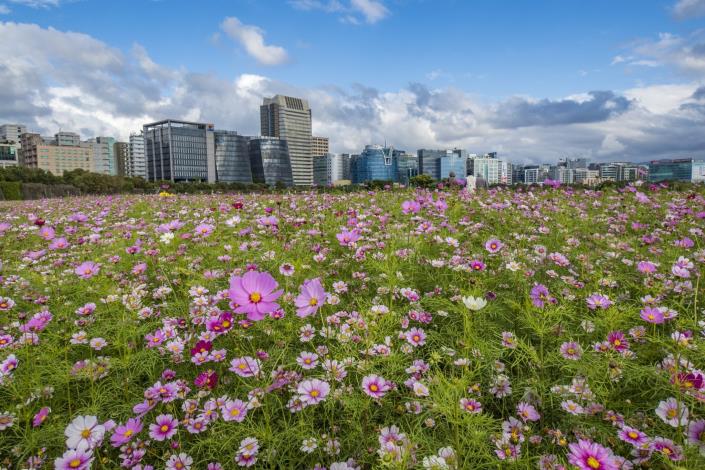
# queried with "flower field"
point(550, 329)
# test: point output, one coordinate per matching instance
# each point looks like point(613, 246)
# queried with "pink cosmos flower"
point(696, 434)
point(672, 412)
point(87, 269)
point(632, 436)
point(125, 432)
point(307, 360)
point(494, 245)
point(587, 455)
point(596, 301)
point(255, 294)
point(410, 207)
point(203, 230)
point(234, 410)
point(470, 405)
point(311, 298)
point(571, 350)
point(375, 386)
point(40, 417)
point(646, 267)
point(652, 315)
point(348, 238)
point(527, 412)
point(245, 366)
point(164, 428)
point(416, 337)
point(74, 460)
point(312, 392)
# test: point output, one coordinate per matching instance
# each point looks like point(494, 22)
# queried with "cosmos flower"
point(84, 432)
point(255, 294)
point(493, 245)
point(571, 350)
point(312, 392)
point(672, 412)
point(416, 337)
point(87, 269)
point(234, 410)
point(348, 238)
point(596, 301)
point(527, 412)
point(632, 436)
point(474, 303)
point(77, 459)
point(696, 434)
point(410, 207)
point(311, 298)
point(652, 315)
point(540, 296)
point(587, 455)
point(375, 386)
point(125, 432)
point(164, 427)
point(470, 405)
point(40, 417)
point(245, 366)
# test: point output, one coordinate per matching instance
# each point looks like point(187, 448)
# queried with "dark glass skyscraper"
point(375, 163)
point(179, 151)
point(269, 158)
point(232, 158)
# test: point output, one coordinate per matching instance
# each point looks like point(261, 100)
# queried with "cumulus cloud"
point(685, 53)
point(684, 9)
point(520, 112)
point(54, 79)
point(252, 40)
point(352, 11)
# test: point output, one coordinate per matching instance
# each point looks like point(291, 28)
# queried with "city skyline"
point(534, 83)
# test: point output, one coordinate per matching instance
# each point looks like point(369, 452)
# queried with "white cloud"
point(252, 39)
point(684, 9)
point(54, 79)
point(372, 10)
point(4, 10)
point(38, 3)
point(352, 12)
point(686, 53)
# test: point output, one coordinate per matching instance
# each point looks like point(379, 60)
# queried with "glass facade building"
point(270, 162)
point(179, 151)
point(452, 163)
point(8, 154)
point(232, 157)
point(375, 163)
point(684, 169)
point(429, 162)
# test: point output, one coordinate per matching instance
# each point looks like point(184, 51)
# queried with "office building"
point(429, 162)
point(562, 174)
point(12, 132)
point(407, 166)
point(270, 161)
point(122, 154)
point(9, 153)
point(68, 139)
point(179, 151)
point(453, 165)
point(104, 160)
point(136, 164)
point(492, 170)
point(375, 163)
point(38, 152)
point(319, 146)
point(289, 118)
point(321, 163)
point(682, 169)
point(232, 158)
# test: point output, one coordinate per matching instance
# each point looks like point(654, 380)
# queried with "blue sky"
point(484, 75)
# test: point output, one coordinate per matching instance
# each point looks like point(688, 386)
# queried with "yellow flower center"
point(255, 297)
point(632, 434)
point(86, 433)
point(593, 463)
point(313, 302)
point(128, 433)
point(374, 387)
point(416, 338)
point(75, 463)
point(234, 412)
point(164, 428)
point(315, 393)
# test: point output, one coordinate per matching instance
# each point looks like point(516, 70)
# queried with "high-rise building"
point(69, 139)
point(122, 154)
point(562, 174)
point(136, 160)
point(493, 170)
point(9, 153)
point(375, 163)
point(319, 146)
point(12, 132)
point(179, 151)
point(682, 169)
point(232, 158)
point(331, 168)
point(407, 166)
point(289, 118)
point(38, 152)
point(104, 160)
point(429, 162)
point(452, 165)
point(270, 161)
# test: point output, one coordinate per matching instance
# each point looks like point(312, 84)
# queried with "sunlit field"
point(550, 328)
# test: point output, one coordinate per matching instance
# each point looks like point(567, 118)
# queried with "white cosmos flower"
point(84, 433)
point(474, 303)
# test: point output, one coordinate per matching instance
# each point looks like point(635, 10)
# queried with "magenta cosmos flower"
point(255, 294)
point(234, 410)
point(375, 386)
point(164, 428)
point(125, 432)
point(470, 405)
point(74, 460)
point(416, 337)
point(347, 238)
point(40, 417)
point(311, 298)
point(493, 245)
point(203, 230)
point(596, 301)
point(588, 455)
point(410, 207)
point(313, 391)
point(87, 269)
